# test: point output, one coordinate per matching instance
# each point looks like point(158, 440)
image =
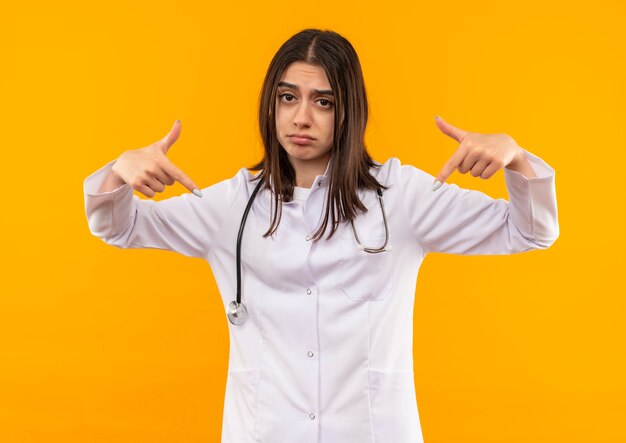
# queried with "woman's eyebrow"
point(297, 88)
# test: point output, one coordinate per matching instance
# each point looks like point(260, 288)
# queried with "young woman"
point(320, 311)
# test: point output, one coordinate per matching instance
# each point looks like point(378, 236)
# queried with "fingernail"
point(436, 185)
point(197, 192)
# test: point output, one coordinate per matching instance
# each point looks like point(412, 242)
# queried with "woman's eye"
point(286, 95)
point(327, 101)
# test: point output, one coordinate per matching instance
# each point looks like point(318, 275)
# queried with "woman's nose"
point(303, 115)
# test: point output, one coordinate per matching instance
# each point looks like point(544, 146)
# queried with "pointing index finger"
point(181, 177)
point(449, 167)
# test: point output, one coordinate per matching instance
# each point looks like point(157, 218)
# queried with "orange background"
point(99, 344)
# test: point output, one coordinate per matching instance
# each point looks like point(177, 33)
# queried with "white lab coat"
point(326, 354)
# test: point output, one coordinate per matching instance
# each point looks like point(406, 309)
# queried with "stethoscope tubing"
point(240, 235)
point(384, 246)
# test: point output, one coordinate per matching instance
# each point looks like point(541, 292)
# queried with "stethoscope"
point(237, 312)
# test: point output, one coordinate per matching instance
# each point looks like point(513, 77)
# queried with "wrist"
point(114, 176)
point(519, 158)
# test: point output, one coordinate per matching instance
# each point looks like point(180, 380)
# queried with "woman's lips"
point(301, 140)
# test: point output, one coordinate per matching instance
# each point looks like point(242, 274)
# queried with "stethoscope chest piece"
point(237, 312)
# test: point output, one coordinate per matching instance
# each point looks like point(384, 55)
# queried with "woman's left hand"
point(481, 154)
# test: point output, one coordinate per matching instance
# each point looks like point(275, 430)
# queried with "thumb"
point(171, 137)
point(450, 130)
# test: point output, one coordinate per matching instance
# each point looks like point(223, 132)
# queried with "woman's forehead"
point(301, 73)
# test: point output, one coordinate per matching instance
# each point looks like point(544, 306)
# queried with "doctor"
point(325, 353)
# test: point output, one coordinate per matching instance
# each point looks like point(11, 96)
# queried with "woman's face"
point(305, 106)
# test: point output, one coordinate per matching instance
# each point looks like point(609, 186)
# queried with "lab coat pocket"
point(240, 405)
point(364, 275)
point(394, 407)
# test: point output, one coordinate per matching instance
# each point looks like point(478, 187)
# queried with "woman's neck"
point(307, 170)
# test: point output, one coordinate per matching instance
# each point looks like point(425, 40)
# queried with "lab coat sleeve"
point(185, 224)
point(463, 221)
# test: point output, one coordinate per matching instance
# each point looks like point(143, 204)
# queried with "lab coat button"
point(310, 354)
point(307, 238)
point(308, 291)
point(312, 416)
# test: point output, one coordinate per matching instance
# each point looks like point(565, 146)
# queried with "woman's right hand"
point(148, 170)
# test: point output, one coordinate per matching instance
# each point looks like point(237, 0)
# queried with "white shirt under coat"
point(326, 354)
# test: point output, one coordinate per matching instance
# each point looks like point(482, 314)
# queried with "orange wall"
point(99, 344)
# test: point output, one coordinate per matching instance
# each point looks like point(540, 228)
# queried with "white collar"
point(318, 178)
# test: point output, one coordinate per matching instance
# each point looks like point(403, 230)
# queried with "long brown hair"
point(350, 162)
